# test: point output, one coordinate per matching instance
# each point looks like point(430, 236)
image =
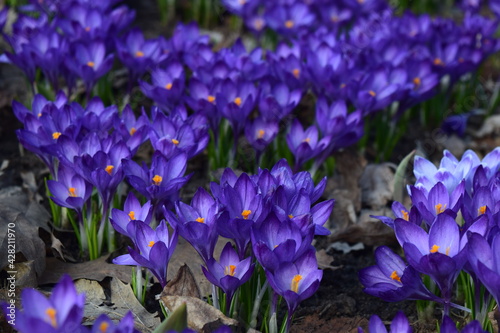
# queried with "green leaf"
point(176, 321)
point(399, 178)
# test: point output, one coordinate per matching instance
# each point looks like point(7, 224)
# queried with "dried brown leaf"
point(93, 270)
point(202, 317)
point(26, 217)
point(123, 300)
point(183, 284)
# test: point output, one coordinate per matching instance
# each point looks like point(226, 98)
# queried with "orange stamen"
point(109, 169)
point(237, 101)
point(211, 98)
point(157, 180)
point(72, 192)
point(372, 93)
point(151, 243)
point(289, 24)
point(133, 130)
point(175, 142)
point(440, 208)
point(56, 135)
point(246, 213)
point(260, 134)
point(139, 54)
point(481, 210)
point(296, 73)
point(131, 215)
point(434, 248)
point(51, 313)
point(406, 215)
point(230, 270)
point(168, 86)
point(294, 286)
point(200, 220)
point(395, 276)
point(91, 64)
point(104, 327)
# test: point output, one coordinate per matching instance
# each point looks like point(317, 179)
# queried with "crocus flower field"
point(250, 166)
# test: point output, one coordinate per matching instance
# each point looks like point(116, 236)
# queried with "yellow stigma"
point(290, 216)
point(438, 62)
point(230, 270)
point(211, 98)
point(168, 86)
point(175, 142)
point(294, 286)
point(307, 140)
point(406, 215)
point(131, 215)
point(157, 180)
point(109, 169)
point(72, 192)
point(296, 73)
point(56, 135)
point(200, 220)
point(434, 248)
point(440, 208)
point(139, 54)
point(289, 24)
point(104, 327)
point(246, 213)
point(91, 64)
point(151, 243)
point(417, 82)
point(372, 93)
point(395, 276)
point(481, 210)
point(51, 313)
point(260, 134)
point(132, 131)
point(237, 101)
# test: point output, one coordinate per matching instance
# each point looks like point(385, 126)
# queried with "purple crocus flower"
point(392, 280)
point(153, 248)
point(485, 262)
point(439, 254)
point(375, 90)
point(260, 133)
point(277, 100)
point(400, 212)
point(103, 324)
point(138, 54)
point(134, 131)
point(278, 241)
point(61, 312)
point(202, 99)
point(399, 324)
point(167, 85)
point(170, 139)
point(235, 101)
point(196, 222)
point(132, 211)
point(159, 183)
point(296, 281)
point(437, 201)
point(70, 189)
point(230, 272)
point(288, 20)
point(304, 144)
point(80, 22)
point(449, 326)
point(90, 62)
point(243, 206)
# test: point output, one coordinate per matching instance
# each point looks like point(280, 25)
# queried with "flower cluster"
point(271, 214)
point(67, 39)
point(452, 227)
point(61, 312)
point(92, 148)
